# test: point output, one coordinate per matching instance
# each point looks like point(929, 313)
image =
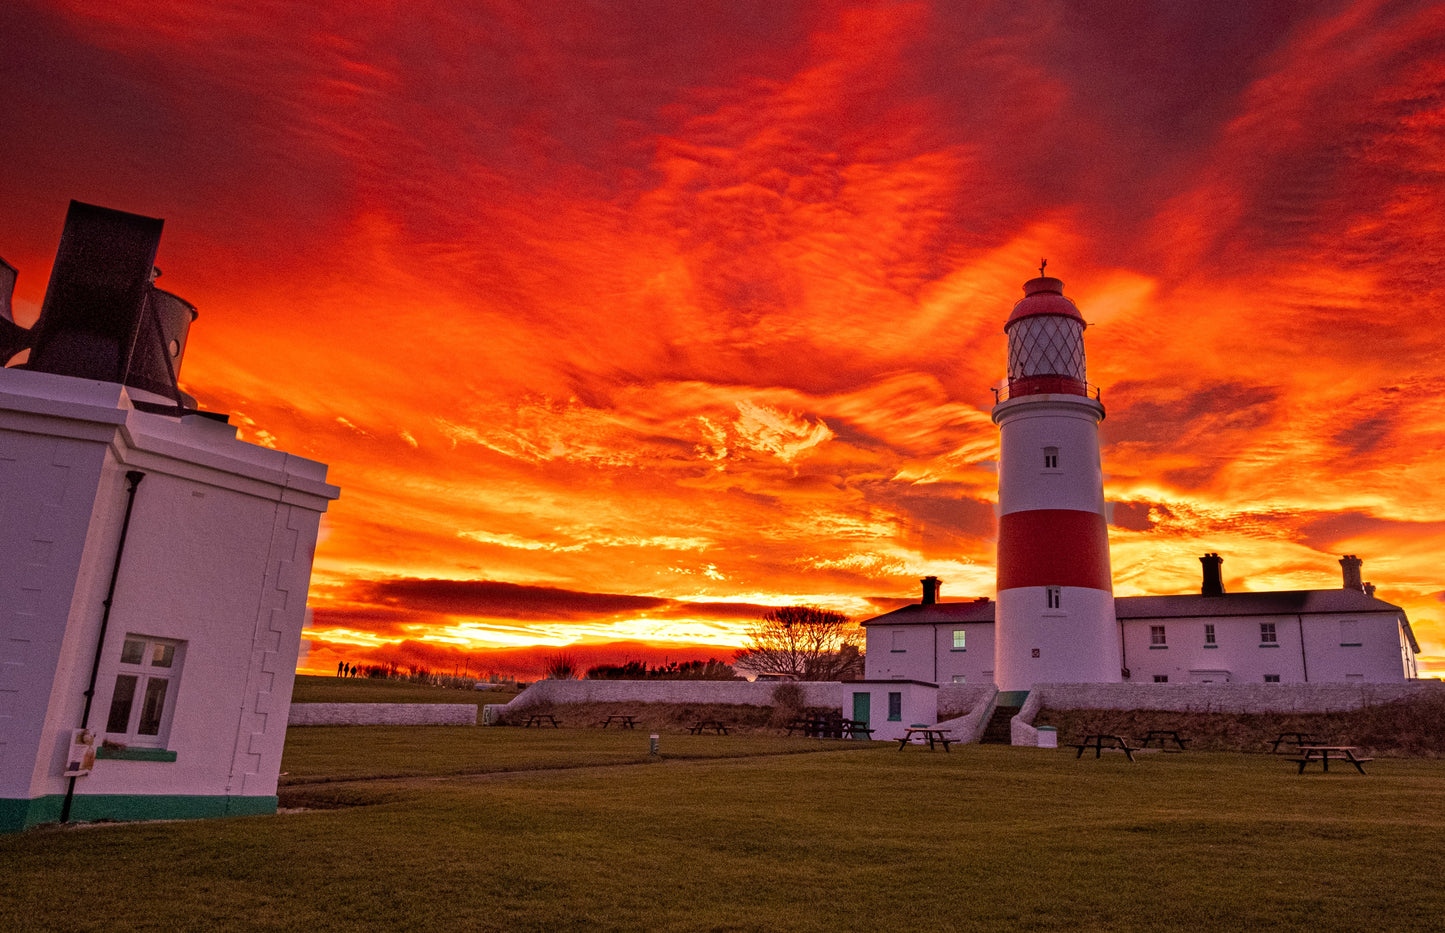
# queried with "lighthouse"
point(1055, 619)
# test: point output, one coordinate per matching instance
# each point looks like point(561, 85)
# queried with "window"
point(1051, 458)
point(1271, 678)
point(1266, 634)
point(1161, 678)
point(959, 679)
point(1209, 634)
point(1350, 634)
point(145, 691)
point(1157, 638)
point(1054, 597)
point(895, 707)
point(896, 641)
point(958, 640)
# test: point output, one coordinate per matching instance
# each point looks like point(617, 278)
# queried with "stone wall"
point(830, 695)
point(978, 699)
point(1211, 698)
point(382, 714)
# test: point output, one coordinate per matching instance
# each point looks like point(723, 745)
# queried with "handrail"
point(1044, 385)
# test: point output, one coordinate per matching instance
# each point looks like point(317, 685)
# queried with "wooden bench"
point(929, 734)
point(1100, 742)
point(1324, 754)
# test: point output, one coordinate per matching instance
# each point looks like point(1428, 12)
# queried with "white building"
point(1056, 619)
point(155, 567)
point(1344, 635)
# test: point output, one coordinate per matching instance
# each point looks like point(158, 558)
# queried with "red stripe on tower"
point(1053, 547)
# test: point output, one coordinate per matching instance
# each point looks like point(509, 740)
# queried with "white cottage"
point(155, 567)
point(1344, 635)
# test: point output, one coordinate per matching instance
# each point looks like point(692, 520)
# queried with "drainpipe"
point(1303, 660)
point(133, 478)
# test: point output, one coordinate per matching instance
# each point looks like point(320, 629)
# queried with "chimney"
point(930, 590)
point(1351, 564)
point(1213, 581)
point(1370, 590)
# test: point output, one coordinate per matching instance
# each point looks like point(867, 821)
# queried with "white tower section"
point(1055, 619)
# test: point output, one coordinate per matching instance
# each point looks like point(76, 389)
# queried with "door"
point(861, 705)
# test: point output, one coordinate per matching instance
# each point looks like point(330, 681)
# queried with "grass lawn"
point(864, 838)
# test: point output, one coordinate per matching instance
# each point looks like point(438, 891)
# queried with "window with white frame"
point(1271, 678)
point(1209, 633)
point(1161, 678)
point(959, 639)
point(1054, 597)
point(1267, 634)
point(144, 696)
point(1350, 633)
point(1051, 458)
point(895, 641)
point(1157, 638)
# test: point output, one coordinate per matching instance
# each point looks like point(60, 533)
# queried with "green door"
point(860, 709)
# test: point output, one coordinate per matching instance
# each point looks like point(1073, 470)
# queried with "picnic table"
point(1297, 739)
point(929, 734)
point(541, 719)
point(705, 725)
point(1324, 754)
point(1100, 742)
point(623, 720)
point(1164, 737)
point(830, 727)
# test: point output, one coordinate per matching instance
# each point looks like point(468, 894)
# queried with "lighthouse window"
point(1051, 458)
point(144, 694)
point(1054, 596)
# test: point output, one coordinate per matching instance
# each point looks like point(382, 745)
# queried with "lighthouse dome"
point(1043, 295)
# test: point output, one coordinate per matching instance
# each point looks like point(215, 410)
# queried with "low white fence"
point(382, 714)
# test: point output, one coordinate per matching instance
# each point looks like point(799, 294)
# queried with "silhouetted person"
point(341, 669)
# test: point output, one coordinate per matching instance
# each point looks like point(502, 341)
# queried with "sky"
point(620, 323)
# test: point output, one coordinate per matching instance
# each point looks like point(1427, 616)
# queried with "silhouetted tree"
point(560, 666)
point(805, 641)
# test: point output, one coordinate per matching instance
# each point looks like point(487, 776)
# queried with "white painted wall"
point(1375, 656)
point(218, 556)
point(1078, 642)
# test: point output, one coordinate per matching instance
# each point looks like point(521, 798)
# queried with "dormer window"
point(1051, 458)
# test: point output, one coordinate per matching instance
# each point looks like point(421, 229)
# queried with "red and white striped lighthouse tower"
point(1055, 621)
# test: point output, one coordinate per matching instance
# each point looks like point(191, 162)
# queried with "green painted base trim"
point(16, 815)
point(135, 754)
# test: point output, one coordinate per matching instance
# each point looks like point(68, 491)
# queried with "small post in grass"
point(652, 746)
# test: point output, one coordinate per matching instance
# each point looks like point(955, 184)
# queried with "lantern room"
point(1045, 342)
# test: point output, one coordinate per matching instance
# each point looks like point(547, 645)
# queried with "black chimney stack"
point(1213, 580)
point(930, 590)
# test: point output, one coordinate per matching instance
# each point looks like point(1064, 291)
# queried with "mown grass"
point(311, 688)
point(984, 838)
point(317, 754)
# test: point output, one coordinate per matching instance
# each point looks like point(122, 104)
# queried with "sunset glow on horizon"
point(619, 324)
